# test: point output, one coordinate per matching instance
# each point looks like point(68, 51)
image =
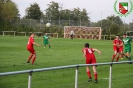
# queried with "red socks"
point(95, 76)
point(89, 74)
point(113, 57)
point(33, 60)
point(30, 57)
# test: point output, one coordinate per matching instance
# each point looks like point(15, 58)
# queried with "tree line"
point(35, 19)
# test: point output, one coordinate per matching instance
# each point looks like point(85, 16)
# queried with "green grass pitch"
point(13, 57)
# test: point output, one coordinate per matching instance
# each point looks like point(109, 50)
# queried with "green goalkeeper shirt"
point(127, 42)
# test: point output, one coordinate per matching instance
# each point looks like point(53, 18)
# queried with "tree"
point(52, 12)
point(111, 25)
point(55, 12)
point(8, 9)
point(65, 14)
point(105, 26)
point(131, 26)
point(33, 12)
point(75, 16)
point(114, 29)
point(115, 19)
point(85, 20)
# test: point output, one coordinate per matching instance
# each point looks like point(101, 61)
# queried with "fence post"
point(110, 76)
point(29, 79)
point(3, 33)
point(14, 33)
point(76, 77)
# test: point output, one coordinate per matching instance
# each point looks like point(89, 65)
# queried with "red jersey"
point(30, 42)
point(90, 57)
point(88, 51)
point(117, 42)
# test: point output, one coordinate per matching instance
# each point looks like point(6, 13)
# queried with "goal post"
point(20, 33)
point(83, 32)
point(9, 32)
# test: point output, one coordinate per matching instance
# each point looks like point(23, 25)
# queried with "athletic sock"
point(113, 57)
point(95, 76)
point(30, 57)
point(33, 60)
point(89, 74)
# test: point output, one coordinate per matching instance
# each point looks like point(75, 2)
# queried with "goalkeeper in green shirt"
point(127, 46)
point(46, 40)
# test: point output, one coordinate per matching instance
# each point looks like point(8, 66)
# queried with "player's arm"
point(121, 44)
point(114, 43)
point(97, 50)
point(36, 44)
point(84, 51)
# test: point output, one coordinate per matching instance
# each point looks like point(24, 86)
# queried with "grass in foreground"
point(13, 57)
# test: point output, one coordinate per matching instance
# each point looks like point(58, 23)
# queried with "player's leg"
point(88, 69)
point(128, 54)
point(29, 58)
point(121, 52)
point(44, 44)
point(72, 36)
point(127, 51)
point(34, 58)
point(124, 53)
point(128, 57)
point(94, 69)
point(88, 73)
point(49, 45)
point(114, 55)
point(118, 56)
point(31, 55)
point(95, 73)
point(121, 55)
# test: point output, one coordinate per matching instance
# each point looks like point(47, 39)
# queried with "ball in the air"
point(48, 25)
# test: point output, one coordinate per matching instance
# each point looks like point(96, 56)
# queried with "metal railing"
point(64, 67)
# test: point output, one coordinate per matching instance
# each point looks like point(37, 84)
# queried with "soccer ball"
point(48, 25)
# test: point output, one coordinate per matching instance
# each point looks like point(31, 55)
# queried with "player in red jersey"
point(30, 48)
point(90, 59)
point(118, 48)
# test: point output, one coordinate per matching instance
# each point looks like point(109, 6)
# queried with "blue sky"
point(99, 9)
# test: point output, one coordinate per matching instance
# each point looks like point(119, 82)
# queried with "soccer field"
point(13, 57)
